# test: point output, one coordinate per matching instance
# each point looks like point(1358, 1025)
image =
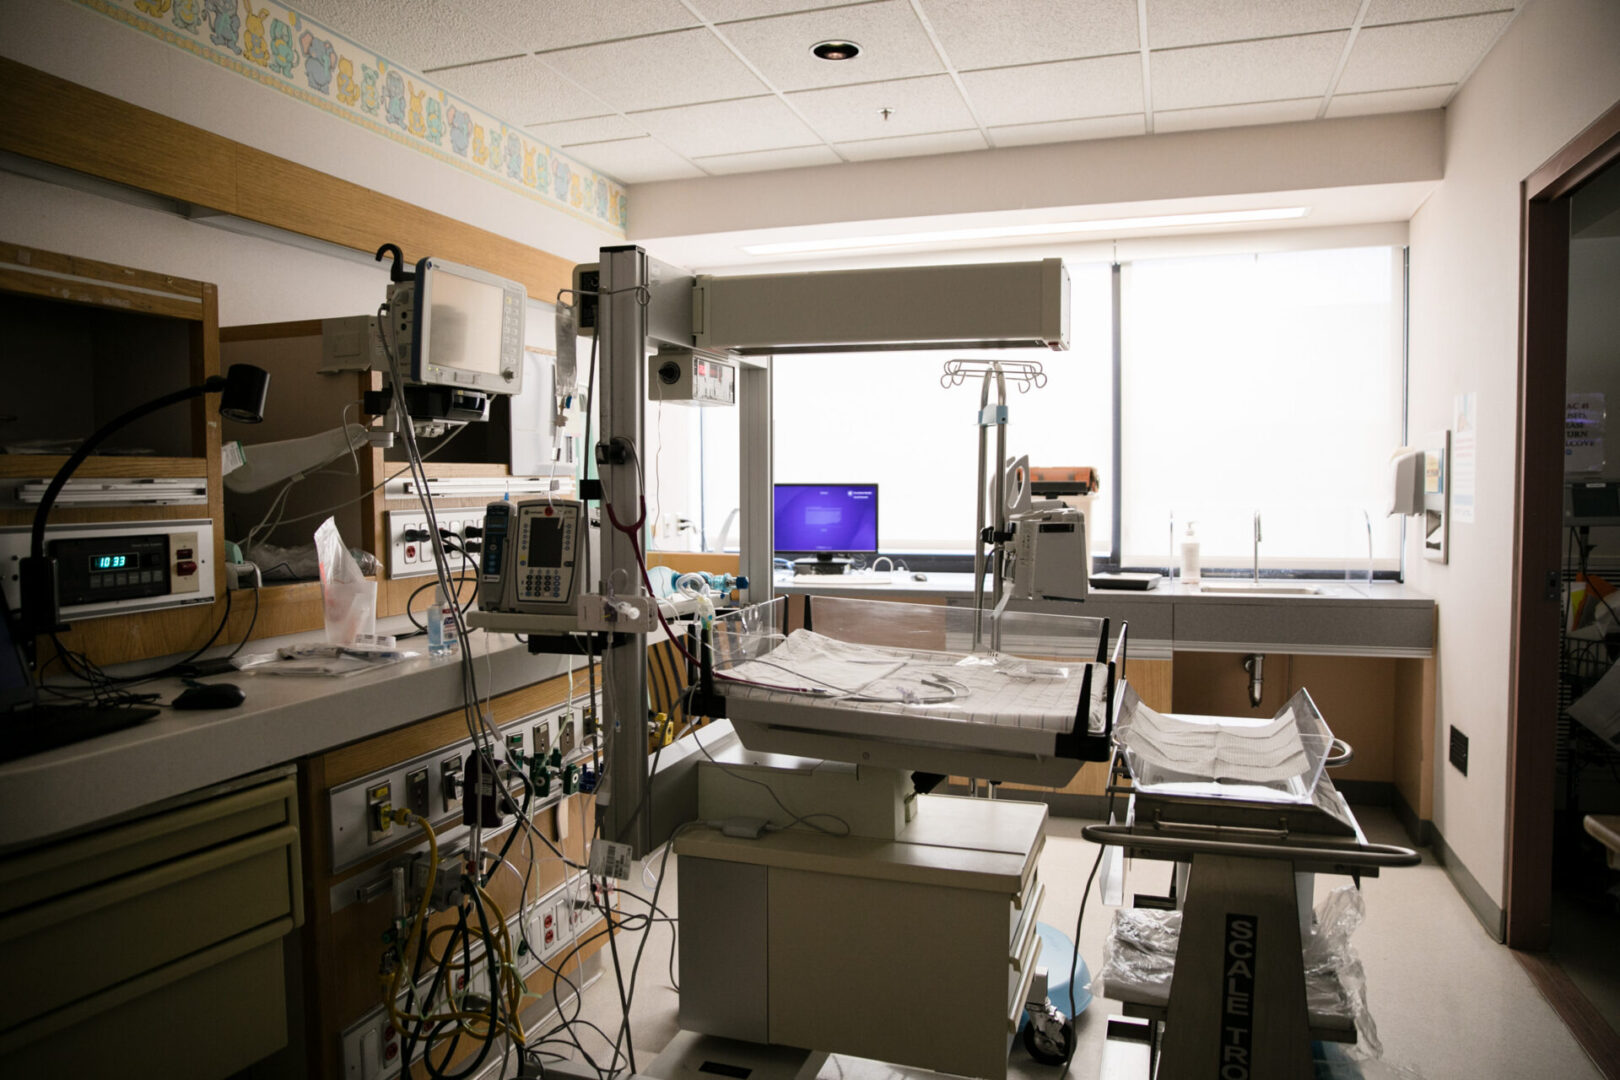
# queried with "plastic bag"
point(1334, 979)
point(326, 660)
point(300, 563)
point(349, 600)
point(1139, 956)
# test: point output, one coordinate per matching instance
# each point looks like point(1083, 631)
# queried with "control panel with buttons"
point(531, 555)
point(109, 568)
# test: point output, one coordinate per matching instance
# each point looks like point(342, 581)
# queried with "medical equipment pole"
point(622, 338)
point(756, 458)
point(999, 523)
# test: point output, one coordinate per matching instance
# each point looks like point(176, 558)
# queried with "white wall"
point(74, 43)
point(1555, 71)
point(259, 280)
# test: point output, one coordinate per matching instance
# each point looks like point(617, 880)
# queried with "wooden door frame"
point(1538, 516)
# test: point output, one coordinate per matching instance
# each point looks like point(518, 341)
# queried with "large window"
point(1268, 382)
point(1262, 382)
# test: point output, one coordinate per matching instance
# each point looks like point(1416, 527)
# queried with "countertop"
point(1383, 619)
point(903, 585)
point(284, 718)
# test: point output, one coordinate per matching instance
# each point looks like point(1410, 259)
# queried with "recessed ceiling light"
point(1006, 232)
point(836, 50)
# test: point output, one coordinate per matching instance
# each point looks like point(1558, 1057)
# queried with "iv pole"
point(1024, 373)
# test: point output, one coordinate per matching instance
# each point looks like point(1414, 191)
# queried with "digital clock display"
point(100, 564)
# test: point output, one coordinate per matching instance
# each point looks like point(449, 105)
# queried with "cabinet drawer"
point(193, 894)
point(231, 998)
point(1025, 946)
point(83, 861)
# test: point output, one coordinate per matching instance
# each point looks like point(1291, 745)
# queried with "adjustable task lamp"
point(242, 392)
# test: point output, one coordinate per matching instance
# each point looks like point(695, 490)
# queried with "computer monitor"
point(823, 518)
point(469, 329)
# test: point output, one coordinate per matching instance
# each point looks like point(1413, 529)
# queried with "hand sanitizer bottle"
point(1189, 556)
point(441, 626)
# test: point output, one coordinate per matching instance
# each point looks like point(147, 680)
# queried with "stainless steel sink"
point(1264, 588)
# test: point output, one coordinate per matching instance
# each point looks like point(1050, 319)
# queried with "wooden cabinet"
point(179, 913)
point(356, 492)
point(86, 341)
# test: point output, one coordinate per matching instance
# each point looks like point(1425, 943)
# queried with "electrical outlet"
point(1459, 751)
point(450, 782)
point(542, 739)
point(565, 739)
point(379, 810)
point(412, 556)
point(514, 745)
point(416, 793)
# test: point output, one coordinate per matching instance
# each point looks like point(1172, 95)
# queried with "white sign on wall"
point(1465, 419)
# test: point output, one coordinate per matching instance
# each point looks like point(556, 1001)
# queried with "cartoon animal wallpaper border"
point(276, 46)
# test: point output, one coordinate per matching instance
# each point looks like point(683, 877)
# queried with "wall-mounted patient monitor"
point(822, 518)
point(468, 330)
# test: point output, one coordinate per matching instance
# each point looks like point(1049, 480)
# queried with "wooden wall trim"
point(1578, 160)
point(66, 124)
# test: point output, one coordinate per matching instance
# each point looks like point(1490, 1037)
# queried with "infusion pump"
point(531, 557)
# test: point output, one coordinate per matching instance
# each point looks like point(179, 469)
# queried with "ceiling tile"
point(728, 127)
point(893, 45)
point(1273, 70)
point(1223, 116)
point(797, 157)
point(1418, 54)
point(1068, 90)
point(1174, 23)
point(591, 129)
point(1101, 127)
point(659, 71)
point(720, 11)
point(1009, 32)
point(943, 142)
point(847, 113)
point(521, 91)
point(635, 161)
point(1389, 101)
point(430, 35)
point(1398, 11)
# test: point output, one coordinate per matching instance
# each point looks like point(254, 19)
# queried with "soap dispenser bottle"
point(1189, 555)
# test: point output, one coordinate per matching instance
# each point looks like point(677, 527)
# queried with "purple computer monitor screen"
point(826, 517)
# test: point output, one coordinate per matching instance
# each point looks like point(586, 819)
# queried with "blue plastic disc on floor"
point(1056, 951)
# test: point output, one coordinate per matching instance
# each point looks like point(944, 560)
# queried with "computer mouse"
point(919, 577)
point(219, 695)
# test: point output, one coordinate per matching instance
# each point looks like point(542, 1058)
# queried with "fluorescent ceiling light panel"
point(1010, 232)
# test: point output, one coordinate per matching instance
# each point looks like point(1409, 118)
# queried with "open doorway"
point(1557, 902)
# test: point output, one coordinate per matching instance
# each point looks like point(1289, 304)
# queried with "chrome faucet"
point(1257, 547)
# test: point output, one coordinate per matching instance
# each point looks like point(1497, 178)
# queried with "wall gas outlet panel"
point(371, 1046)
point(410, 547)
point(358, 831)
point(117, 568)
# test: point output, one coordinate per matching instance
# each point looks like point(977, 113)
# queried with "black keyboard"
point(45, 727)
